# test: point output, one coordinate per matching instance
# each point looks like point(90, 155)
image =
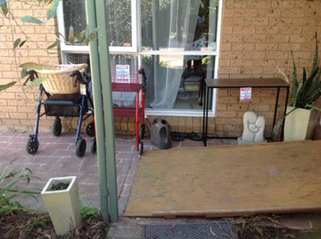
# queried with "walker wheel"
point(142, 131)
point(32, 145)
point(80, 147)
point(56, 127)
point(141, 148)
point(93, 146)
point(90, 129)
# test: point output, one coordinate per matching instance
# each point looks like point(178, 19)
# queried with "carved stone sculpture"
point(253, 129)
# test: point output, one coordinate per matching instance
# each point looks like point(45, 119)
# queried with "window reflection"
point(179, 25)
point(176, 82)
point(118, 20)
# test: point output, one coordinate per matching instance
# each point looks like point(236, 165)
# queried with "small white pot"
point(62, 205)
point(299, 124)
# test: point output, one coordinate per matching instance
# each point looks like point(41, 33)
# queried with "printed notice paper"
point(246, 94)
point(122, 73)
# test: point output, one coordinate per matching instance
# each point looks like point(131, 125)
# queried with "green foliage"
point(84, 36)
point(18, 43)
point(87, 212)
point(4, 7)
point(53, 45)
point(30, 19)
point(4, 87)
point(307, 90)
point(53, 8)
point(304, 92)
point(8, 191)
point(31, 66)
point(36, 82)
point(42, 220)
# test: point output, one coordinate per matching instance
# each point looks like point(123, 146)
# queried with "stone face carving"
point(253, 129)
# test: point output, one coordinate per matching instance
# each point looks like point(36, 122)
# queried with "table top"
point(246, 82)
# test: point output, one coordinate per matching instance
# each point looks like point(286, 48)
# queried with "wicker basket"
point(58, 80)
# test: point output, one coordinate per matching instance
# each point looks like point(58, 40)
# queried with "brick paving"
point(56, 158)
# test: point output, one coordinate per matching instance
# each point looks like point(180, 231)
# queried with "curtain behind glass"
point(124, 99)
point(171, 27)
point(168, 24)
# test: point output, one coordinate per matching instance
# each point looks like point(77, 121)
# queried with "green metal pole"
point(99, 118)
point(108, 108)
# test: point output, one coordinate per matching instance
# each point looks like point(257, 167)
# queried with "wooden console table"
point(211, 84)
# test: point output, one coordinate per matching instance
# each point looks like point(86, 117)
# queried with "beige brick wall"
point(17, 105)
point(256, 36)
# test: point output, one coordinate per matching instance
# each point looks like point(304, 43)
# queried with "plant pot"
point(62, 205)
point(299, 124)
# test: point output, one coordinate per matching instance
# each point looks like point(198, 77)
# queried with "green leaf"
point(31, 66)
point(7, 191)
point(295, 80)
point(22, 43)
point(316, 54)
point(24, 73)
point(16, 43)
point(30, 19)
point(277, 126)
point(4, 7)
point(283, 74)
point(53, 9)
point(4, 87)
point(36, 82)
point(304, 75)
point(62, 36)
point(71, 35)
point(53, 45)
point(82, 36)
point(276, 129)
point(93, 36)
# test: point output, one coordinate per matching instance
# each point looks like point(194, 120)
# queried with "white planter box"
point(299, 124)
point(62, 205)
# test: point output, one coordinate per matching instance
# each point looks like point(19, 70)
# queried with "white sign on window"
point(122, 73)
point(246, 94)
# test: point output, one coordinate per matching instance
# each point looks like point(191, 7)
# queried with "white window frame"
point(136, 49)
point(85, 49)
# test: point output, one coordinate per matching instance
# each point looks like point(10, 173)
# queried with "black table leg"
point(276, 108)
point(204, 108)
point(286, 104)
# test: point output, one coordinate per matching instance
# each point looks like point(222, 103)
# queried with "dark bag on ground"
point(160, 134)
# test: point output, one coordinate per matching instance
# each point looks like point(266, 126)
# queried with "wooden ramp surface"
point(228, 180)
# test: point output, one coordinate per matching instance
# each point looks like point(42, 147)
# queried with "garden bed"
point(23, 224)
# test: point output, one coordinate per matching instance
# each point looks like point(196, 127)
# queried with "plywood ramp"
point(228, 180)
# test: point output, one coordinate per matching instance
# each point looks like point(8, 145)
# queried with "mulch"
point(22, 224)
point(266, 227)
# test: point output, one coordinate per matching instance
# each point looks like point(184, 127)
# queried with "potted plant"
point(61, 199)
point(301, 114)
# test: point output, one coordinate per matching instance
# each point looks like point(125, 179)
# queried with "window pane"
point(74, 15)
point(78, 58)
point(123, 60)
point(176, 82)
point(119, 20)
point(179, 25)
